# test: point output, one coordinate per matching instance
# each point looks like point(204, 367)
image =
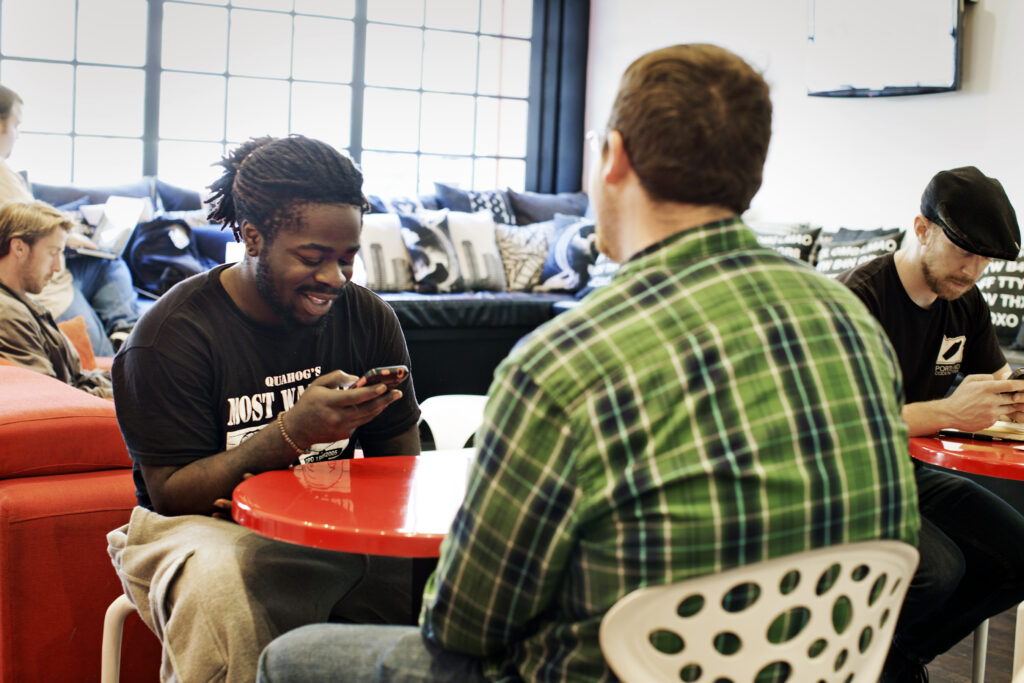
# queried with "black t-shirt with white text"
point(934, 344)
point(198, 377)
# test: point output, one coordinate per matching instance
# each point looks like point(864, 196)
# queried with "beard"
point(942, 287)
point(285, 313)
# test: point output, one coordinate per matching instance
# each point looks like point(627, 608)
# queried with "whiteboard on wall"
point(868, 48)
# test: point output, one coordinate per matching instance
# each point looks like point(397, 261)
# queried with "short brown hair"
point(695, 121)
point(7, 99)
point(29, 221)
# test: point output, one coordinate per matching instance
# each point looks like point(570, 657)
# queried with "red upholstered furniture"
point(65, 481)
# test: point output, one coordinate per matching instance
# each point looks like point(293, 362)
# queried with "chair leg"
point(113, 628)
point(1018, 642)
point(980, 652)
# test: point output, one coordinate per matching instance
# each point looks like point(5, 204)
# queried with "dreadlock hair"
point(265, 178)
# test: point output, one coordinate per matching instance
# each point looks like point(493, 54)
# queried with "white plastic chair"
point(113, 629)
point(720, 640)
point(453, 418)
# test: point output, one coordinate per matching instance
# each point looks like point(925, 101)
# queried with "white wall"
point(855, 162)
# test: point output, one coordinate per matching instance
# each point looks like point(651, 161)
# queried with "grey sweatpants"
point(216, 593)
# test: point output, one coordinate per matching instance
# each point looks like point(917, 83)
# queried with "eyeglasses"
point(596, 138)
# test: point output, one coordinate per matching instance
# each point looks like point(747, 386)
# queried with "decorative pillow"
point(600, 274)
point(471, 201)
point(1002, 287)
point(384, 256)
point(435, 266)
point(473, 235)
point(394, 204)
point(798, 241)
point(77, 333)
point(534, 207)
point(524, 249)
point(850, 248)
point(572, 249)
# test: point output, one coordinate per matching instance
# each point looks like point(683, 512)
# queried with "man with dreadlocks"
point(237, 371)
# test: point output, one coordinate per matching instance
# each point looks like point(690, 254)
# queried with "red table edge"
point(921, 450)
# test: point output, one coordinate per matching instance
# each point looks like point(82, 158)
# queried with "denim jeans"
point(356, 652)
point(971, 567)
point(104, 296)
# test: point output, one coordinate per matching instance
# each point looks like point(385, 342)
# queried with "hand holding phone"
point(390, 375)
point(1017, 374)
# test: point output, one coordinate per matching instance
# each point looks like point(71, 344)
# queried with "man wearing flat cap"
point(971, 542)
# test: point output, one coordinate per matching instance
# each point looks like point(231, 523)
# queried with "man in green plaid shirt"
point(715, 405)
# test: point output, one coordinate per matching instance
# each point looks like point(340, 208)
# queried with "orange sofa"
point(65, 481)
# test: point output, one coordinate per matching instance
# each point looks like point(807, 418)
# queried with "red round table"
point(1002, 459)
point(400, 505)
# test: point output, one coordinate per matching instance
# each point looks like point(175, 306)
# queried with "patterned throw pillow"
point(524, 249)
point(849, 248)
point(435, 265)
point(473, 235)
point(599, 275)
point(1002, 287)
point(572, 249)
point(471, 201)
point(385, 258)
point(798, 240)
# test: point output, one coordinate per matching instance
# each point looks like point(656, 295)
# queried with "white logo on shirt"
point(951, 355)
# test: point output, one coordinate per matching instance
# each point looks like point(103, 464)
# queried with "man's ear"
point(20, 248)
point(252, 239)
point(922, 226)
point(615, 163)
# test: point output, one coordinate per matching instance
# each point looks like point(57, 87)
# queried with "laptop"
point(120, 216)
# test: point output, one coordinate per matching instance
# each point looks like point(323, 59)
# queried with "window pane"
point(490, 173)
point(107, 161)
point(449, 61)
point(393, 56)
point(38, 29)
point(102, 38)
point(501, 127)
point(192, 106)
point(46, 157)
point(388, 174)
point(190, 164)
point(460, 15)
point(109, 101)
point(281, 5)
point(195, 38)
point(323, 50)
point(322, 111)
point(331, 8)
point(504, 67)
point(396, 11)
point(256, 107)
point(391, 120)
point(261, 44)
point(507, 17)
point(447, 124)
point(452, 170)
point(46, 91)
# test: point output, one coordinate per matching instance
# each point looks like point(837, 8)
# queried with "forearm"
point(928, 417)
point(193, 488)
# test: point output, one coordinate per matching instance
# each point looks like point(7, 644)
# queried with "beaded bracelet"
point(284, 435)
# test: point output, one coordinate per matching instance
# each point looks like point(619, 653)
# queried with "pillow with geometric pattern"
point(471, 201)
point(524, 249)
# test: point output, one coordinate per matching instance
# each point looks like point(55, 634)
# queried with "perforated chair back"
point(821, 615)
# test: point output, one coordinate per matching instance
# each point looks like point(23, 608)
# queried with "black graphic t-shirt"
point(198, 377)
point(934, 344)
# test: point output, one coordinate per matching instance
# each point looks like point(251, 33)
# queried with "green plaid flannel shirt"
point(715, 405)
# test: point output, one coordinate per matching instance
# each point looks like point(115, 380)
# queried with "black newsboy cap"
point(973, 211)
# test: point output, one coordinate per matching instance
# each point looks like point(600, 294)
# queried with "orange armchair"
point(65, 481)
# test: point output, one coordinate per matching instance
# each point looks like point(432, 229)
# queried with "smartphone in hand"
point(1017, 374)
point(391, 375)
